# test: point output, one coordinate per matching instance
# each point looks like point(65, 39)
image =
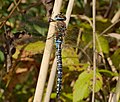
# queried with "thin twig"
point(78, 39)
point(16, 4)
point(83, 17)
point(111, 65)
point(94, 50)
point(10, 14)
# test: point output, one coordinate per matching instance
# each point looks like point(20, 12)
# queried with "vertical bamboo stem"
point(46, 56)
point(51, 81)
point(69, 11)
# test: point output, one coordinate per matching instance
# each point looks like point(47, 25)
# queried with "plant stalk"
point(94, 50)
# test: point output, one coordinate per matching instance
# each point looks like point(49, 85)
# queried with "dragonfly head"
point(60, 17)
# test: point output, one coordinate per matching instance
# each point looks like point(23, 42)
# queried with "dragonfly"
point(60, 33)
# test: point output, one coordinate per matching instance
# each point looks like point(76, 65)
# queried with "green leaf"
point(102, 45)
point(2, 57)
point(102, 24)
point(53, 95)
point(83, 85)
point(108, 73)
point(68, 96)
point(116, 58)
point(39, 29)
point(33, 48)
point(87, 37)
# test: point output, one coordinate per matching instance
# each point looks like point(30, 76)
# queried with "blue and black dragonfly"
point(60, 33)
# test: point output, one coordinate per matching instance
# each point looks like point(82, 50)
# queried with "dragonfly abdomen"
point(59, 69)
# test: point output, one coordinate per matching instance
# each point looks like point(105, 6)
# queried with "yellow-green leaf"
point(102, 45)
point(83, 85)
point(2, 58)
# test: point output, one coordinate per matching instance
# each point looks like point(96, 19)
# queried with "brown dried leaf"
point(114, 35)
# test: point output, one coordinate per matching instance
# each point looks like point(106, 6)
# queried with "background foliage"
point(32, 16)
